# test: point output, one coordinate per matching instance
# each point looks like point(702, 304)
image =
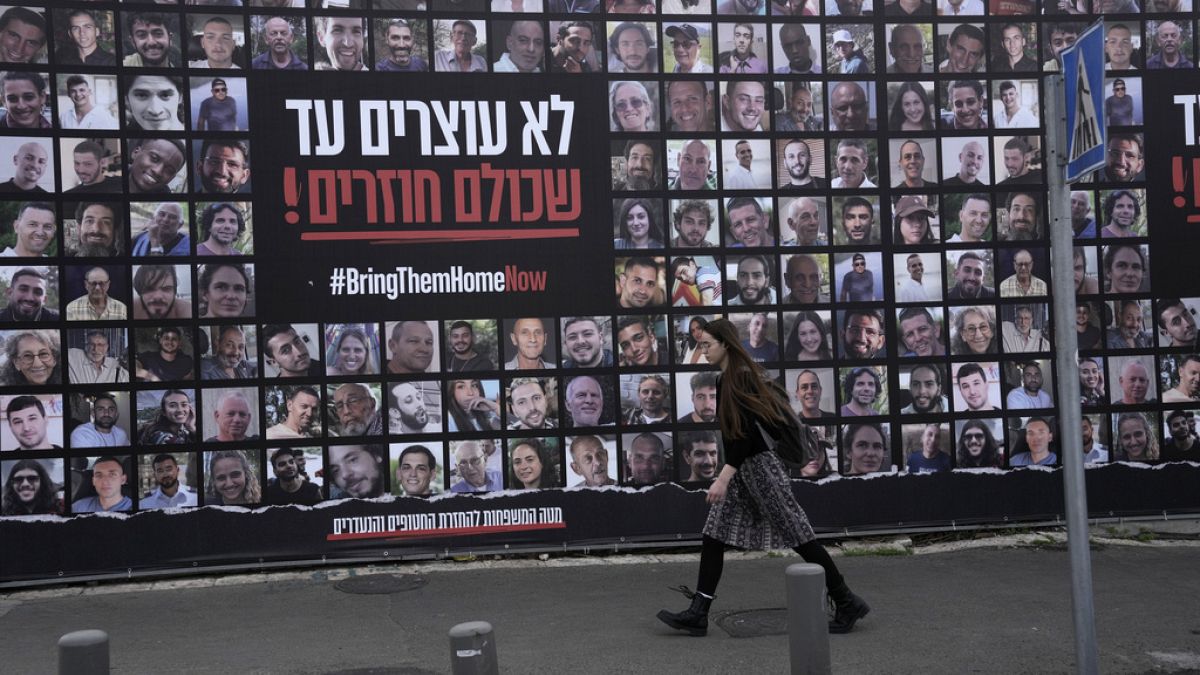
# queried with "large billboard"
point(293, 281)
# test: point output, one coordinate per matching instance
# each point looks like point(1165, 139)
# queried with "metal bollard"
point(84, 652)
point(473, 649)
point(808, 627)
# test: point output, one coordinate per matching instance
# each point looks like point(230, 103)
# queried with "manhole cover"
point(380, 584)
point(754, 622)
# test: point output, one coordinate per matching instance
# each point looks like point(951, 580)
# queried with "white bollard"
point(473, 649)
point(84, 652)
point(808, 627)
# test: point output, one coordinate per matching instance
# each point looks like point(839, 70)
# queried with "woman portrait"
point(225, 290)
point(470, 408)
point(912, 109)
point(911, 222)
point(231, 479)
point(1125, 269)
point(688, 346)
point(977, 446)
point(808, 339)
point(631, 108)
point(32, 357)
point(864, 448)
point(154, 103)
point(974, 331)
point(533, 465)
point(1091, 381)
point(353, 350)
point(1135, 440)
point(638, 225)
point(175, 422)
point(29, 490)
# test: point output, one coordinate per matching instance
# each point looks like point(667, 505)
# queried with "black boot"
point(694, 619)
point(848, 609)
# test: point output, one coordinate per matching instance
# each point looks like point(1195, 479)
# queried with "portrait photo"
point(25, 104)
point(471, 345)
point(32, 487)
point(233, 478)
point(414, 407)
point(32, 422)
point(417, 468)
point(230, 414)
point(351, 349)
point(591, 460)
point(26, 166)
point(100, 420)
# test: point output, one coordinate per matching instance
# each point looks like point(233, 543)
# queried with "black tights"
point(712, 563)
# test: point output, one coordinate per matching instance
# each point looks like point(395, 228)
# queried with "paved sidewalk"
point(981, 610)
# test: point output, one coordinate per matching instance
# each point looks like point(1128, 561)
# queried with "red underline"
point(447, 532)
point(440, 236)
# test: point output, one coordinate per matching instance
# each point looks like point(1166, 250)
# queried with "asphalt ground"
point(996, 606)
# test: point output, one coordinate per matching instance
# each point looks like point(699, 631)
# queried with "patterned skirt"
point(759, 510)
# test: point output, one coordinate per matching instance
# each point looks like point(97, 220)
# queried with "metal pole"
point(808, 628)
point(473, 649)
point(84, 652)
point(1066, 353)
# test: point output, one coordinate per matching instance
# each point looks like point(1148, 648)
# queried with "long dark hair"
point(792, 348)
point(468, 420)
point(43, 502)
point(655, 231)
point(896, 117)
point(745, 386)
point(990, 455)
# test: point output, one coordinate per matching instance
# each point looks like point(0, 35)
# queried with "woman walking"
point(752, 502)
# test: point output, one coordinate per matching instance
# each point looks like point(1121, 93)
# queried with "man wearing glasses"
point(862, 334)
point(474, 476)
point(96, 305)
point(218, 112)
point(356, 412)
point(224, 166)
point(1118, 108)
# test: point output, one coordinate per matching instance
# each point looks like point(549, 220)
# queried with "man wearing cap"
point(854, 62)
point(218, 112)
point(685, 44)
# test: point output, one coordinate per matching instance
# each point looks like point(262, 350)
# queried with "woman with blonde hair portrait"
point(351, 352)
point(231, 479)
point(1135, 440)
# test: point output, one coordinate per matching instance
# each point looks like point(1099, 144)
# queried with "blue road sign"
point(1083, 73)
